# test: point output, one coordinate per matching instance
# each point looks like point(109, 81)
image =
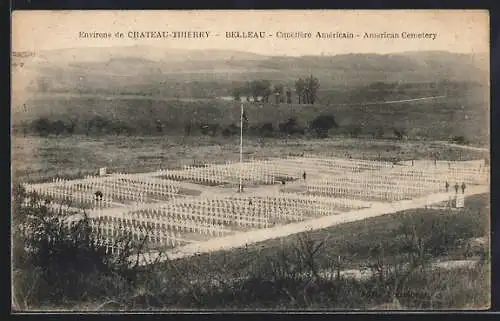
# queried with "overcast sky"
point(457, 30)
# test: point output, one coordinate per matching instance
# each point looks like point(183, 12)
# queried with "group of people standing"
point(447, 186)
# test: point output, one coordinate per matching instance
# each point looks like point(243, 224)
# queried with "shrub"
point(322, 124)
point(54, 262)
point(266, 130)
point(459, 140)
point(291, 127)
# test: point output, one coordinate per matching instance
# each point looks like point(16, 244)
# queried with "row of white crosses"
point(74, 198)
point(354, 190)
point(451, 171)
point(355, 164)
point(135, 187)
point(333, 166)
point(327, 202)
point(62, 209)
point(196, 174)
point(396, 183)
point(266, 171)
point(117, 187)
point(369, 185)
point(115, 228)
point(419, 180)
point(216, 174)
point(218, 210)
point(211, 216)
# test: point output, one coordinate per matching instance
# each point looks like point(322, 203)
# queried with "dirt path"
point(480, 149)
point(241, 239)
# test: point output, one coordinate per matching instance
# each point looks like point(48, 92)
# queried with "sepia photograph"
point(250, 160)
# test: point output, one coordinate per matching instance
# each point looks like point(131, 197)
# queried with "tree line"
point(99, 125)
point(321, 127)
point(263, 90)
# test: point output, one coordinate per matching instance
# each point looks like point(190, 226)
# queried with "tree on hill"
point(399, 133)
point(311, 89)
point(159, 126)
point(71, 126)
point(265, 86)
point(307, 89)
point(300, 89)
point(98, 123)
point(58, 127)
point(322, 124)
point(266, 130)
point(236, 93)
point(42, 126)
point(291, 127)
point(278, 91)
point(260, 89)
point(288, 96)
point(187, 128)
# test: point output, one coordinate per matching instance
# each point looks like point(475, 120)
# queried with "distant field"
point(37, 158)
point(458, 113)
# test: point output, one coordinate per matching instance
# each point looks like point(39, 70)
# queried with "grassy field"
point(461, 112)
point(38, 158)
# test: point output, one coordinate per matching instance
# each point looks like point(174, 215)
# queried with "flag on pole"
point(244, 114)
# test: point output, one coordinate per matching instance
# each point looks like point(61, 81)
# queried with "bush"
point(56, 263)
point(459, 140)
point(266, 130)
point(322, 124)
point(42, 126)
point(399, 133)
point(291, 127)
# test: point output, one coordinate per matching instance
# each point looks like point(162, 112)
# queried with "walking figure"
point(463, 187)
point(98, 196)
point(447, 185)
point(304, 176)
point(456, 188)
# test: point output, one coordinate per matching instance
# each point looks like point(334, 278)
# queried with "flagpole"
point(241, 148)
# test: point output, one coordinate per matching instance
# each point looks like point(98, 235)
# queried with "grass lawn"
point(37, 159)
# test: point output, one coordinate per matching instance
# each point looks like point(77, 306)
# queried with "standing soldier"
point(447, 185)
point(463, 187)
point(456, 188)
point(304, 175)
point(98, 196)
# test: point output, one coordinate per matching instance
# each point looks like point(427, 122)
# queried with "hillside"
point(139, 87)
point(167, 71)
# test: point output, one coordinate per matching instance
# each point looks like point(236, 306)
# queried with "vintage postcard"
point(276, 160)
